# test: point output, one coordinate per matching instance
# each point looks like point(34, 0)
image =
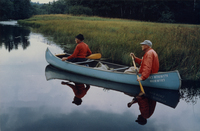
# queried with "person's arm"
point(137, 60)
point(89, 52)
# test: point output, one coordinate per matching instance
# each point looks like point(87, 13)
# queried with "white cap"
point(147, 42)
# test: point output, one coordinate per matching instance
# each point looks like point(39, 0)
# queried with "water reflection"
point(79, 90)
point(147, 103)
point(29, 103)
point(166, 97)
point(146, 107)
point(13, 36)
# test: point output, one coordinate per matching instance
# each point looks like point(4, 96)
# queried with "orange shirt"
point(149, 63)
point(81, 51)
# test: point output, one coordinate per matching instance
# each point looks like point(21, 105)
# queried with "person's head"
point(77, 101)
point(141, 120)
point(79, 38)
point(146, 45)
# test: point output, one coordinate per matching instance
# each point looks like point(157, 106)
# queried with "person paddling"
point(150, 62)
point(148, 65)
point(81, 51)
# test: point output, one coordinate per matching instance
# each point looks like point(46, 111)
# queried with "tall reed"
point(177, 45)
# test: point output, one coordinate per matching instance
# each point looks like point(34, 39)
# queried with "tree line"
point(171, 11)
point(15, 9)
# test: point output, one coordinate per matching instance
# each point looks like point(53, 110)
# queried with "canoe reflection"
point(79, 90)
point(166, 97)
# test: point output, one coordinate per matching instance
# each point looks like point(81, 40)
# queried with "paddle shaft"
point(141, 87)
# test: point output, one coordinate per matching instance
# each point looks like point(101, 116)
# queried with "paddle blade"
point(94, 56)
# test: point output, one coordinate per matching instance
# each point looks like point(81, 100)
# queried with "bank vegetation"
point(178, 45)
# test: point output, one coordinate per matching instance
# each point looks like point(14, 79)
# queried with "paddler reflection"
point(79, 90)
point(146, 107)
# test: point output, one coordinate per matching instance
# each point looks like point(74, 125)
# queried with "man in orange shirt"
point(150, 62)
point(81, 51)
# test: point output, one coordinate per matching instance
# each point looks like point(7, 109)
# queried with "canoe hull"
point(164, 80)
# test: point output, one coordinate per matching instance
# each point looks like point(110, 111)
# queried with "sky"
point(43, 1)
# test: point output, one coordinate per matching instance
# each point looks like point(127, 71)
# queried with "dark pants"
point(77, 59)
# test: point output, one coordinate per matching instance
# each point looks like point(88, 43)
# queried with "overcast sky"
point(43, 1)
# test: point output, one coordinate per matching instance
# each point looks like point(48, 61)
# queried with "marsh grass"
point(177, 45)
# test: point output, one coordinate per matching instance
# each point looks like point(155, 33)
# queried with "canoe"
point(167, 97)
point(115, 72)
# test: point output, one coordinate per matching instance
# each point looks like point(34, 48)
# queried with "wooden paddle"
point(94, 56)
point(141, 87)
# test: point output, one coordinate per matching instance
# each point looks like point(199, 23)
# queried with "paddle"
point(141, 87)
point(94, 56)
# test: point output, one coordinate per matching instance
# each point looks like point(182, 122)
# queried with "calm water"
point(28, 102)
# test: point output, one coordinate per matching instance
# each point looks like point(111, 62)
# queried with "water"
point(29, 102)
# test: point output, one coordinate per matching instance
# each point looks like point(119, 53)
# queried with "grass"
point(177, 45)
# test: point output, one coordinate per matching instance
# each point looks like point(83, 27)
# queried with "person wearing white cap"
point(150, 62)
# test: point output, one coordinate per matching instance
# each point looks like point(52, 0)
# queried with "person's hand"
point(132, 55)
point(139, 79)
point(64, 58)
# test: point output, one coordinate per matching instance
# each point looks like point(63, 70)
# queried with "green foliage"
point(167, 17)
point(177, 45)
point(15, 9)
point(80, 10)
point(22, 9)
point(179, 11)
point(58, 7)
point(6, 9)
